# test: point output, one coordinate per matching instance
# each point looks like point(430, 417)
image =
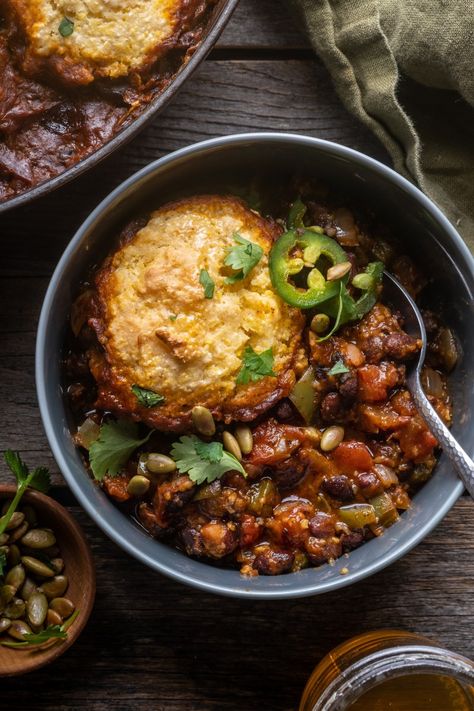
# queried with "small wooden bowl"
point(79, 568)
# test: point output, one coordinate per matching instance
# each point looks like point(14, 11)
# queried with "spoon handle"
point(458, 457)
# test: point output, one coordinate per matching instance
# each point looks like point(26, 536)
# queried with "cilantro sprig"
point(207, 283)
point(52, 632)
point(147, 398)
point(242, 258)
point(116, 443)
point(37, 479)
point(203, 461)
point(343, 308)
point(339, 368)
point(255, 366)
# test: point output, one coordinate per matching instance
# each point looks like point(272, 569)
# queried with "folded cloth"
point(405, 68)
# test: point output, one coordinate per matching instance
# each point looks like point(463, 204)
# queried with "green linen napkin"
point(405, 68)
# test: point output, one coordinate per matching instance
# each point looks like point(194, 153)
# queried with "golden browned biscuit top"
point(160, 332)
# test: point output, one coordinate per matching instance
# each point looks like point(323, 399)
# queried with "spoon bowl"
point(399, 298)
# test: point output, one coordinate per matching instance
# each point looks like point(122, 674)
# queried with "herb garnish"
point(208, 284)
point(116, 443)
point(242, 258)
point(56, 632)
point(255, 366)
point(296, 214)
point(37, 479)
point(203, 461)
point(66, 27)
point(147, 398)
point(339, 368)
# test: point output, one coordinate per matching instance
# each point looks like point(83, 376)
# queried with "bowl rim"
point(42, 657)
point(216, 27)
point(318, 587)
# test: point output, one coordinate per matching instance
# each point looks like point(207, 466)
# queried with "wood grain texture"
point(158, 646)
point(151, 643)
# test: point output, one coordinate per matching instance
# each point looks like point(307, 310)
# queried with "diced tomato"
point(375, 381)
point(116, 487)
point(273, 442)
point(374, 418)
point(352, 457)
point(416, 441)
point(249, 530)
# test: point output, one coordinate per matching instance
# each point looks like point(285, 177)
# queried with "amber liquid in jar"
point(419, 692)
point(390, 670)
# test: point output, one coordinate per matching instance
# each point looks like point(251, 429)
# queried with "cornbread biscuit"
point(159, 331)
point(81, 40)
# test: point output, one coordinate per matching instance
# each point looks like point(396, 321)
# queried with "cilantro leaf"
point(296, 214)
point(242, 258)
point(37, 479)
point(52, 632)
point(66, 27)
point(3, 562)
point(147, 398)
point(339, 368)
point(116, 442)
point(255, 366)
point(208, 284)
point(203, 461)
point(17, 466)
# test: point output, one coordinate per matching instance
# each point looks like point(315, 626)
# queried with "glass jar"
point(390, 670)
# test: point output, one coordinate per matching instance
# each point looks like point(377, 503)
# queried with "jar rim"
point(390, 663)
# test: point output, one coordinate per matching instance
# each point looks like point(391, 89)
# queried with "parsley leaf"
point(3, 562)
point(37, 479)
point(116, 442)
point(242, 258)
point(203, 461)
point(208, 284)
point(296, 214)
point(66, 27)
point(339, 368)
point(255, 366)
point(147, 398)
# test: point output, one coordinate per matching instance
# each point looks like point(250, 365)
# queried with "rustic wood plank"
point(222, 98)
point(155, 644)
point(263, 24)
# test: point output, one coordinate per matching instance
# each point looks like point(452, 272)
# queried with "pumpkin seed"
point(18, 628)
point(27, 589)
point(38, 538)
point(19, 532)
point(243, 435)
point(319, 323)
point(58, 565)
point(37, 567)
point(7, 593)
point(53, 618)
point(15, 521)
point(203, 421)
point(331, 438)
point(37, 608)
point(15, 609)
point(231, 445)
point(55, 587)
point(15, 577)
point(138, 485)
point(63, 606)
point(160, 464)
point(4, 624)
point(14, 555)
point(4, 538)
point(338, 271)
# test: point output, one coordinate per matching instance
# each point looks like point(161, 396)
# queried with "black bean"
point(339, 487)
point(332, 407)
point(322, 525)
point(273, 562)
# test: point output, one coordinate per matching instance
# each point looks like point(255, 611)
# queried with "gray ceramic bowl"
point(429, 237)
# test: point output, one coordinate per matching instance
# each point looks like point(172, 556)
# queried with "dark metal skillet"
point(220, 17)
point(396, 296)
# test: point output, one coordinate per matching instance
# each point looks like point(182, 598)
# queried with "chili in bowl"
point(232, 379)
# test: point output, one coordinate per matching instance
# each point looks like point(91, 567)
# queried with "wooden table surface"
point(153, 644)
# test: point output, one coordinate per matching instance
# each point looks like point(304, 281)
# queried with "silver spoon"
point(397, 296)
